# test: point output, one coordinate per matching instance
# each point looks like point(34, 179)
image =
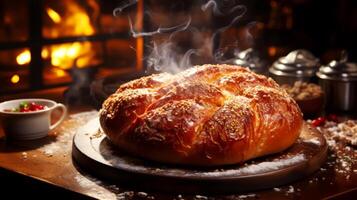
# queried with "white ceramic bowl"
point(29, 125)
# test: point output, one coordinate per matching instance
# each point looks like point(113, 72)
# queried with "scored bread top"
point(206, 115)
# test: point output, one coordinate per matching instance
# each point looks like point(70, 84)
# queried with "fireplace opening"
point(41, 41)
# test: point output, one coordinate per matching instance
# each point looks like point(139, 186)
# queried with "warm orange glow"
point(56, 18)
point(73, 22)
point(83, 24)
point(44, 53)
point(75, 54)
point(24, 57)
point(140, 40)
point(80, 54)
point(272, 51)
point(15, 79)
point(58, 72)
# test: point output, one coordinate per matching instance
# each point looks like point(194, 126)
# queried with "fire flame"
point(66, 55)
point(24, 57)
point(56, 18)
point(15, 78)
point(74, 22)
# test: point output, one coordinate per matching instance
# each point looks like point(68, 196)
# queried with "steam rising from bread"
point(164, 58)
point(167, 56)
point(125, 4)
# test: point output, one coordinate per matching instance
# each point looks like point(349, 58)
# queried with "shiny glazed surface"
point(206, 115)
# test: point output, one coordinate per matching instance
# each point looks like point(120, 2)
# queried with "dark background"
point(323, 27)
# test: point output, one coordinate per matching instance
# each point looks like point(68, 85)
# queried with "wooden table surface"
point(46, 166)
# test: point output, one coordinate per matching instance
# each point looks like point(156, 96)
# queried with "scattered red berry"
point(319, 121)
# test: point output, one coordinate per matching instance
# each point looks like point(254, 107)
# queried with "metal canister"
point(298, 65)
point(251, 59)
point(338, 79)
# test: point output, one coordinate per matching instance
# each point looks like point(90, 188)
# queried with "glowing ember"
point(272, 51)
point(58, 72)
point(24, 57)
point(44, 53)
point(53, 15)
point(15, 79)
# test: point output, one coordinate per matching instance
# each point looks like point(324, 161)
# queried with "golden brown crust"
point(207, 115)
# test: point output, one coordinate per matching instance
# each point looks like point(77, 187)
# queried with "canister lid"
point(251, 58)
point(339, 70)
point(298, 63)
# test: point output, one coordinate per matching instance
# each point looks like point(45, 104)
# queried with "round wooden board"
point(92, 151)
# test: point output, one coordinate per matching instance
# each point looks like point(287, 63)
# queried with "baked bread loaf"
point(207, 115)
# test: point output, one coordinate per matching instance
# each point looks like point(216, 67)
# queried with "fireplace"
point(41, 41)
